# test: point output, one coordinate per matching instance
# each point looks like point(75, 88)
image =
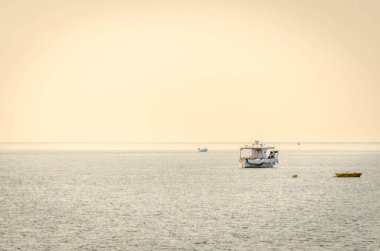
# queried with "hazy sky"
point(189, 70)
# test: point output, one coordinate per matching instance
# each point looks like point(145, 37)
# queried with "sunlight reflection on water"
point(186, 200)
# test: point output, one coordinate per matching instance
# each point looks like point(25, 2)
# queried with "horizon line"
point(177, 142)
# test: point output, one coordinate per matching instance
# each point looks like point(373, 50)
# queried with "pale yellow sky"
point(189, 70)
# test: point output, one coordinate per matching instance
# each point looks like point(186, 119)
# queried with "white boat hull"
point(258, 163)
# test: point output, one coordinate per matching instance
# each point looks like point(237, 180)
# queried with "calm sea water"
point(169, 197)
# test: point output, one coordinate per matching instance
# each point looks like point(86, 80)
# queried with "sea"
point(167, 196)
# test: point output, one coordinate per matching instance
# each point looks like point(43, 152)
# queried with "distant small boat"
point(348, 175)
point(202, 150)
point(298, 143)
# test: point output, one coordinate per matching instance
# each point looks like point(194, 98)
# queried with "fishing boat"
point(348, 175)
point(202, 150)
point(258, 156)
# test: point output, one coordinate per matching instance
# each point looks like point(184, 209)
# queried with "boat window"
point(257, 154)
point(245, 153)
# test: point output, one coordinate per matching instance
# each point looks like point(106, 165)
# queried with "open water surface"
point(60, 199)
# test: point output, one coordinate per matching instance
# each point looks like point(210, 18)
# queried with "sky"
point(162, 71)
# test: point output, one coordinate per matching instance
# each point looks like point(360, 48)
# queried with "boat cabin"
point(258, 151)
